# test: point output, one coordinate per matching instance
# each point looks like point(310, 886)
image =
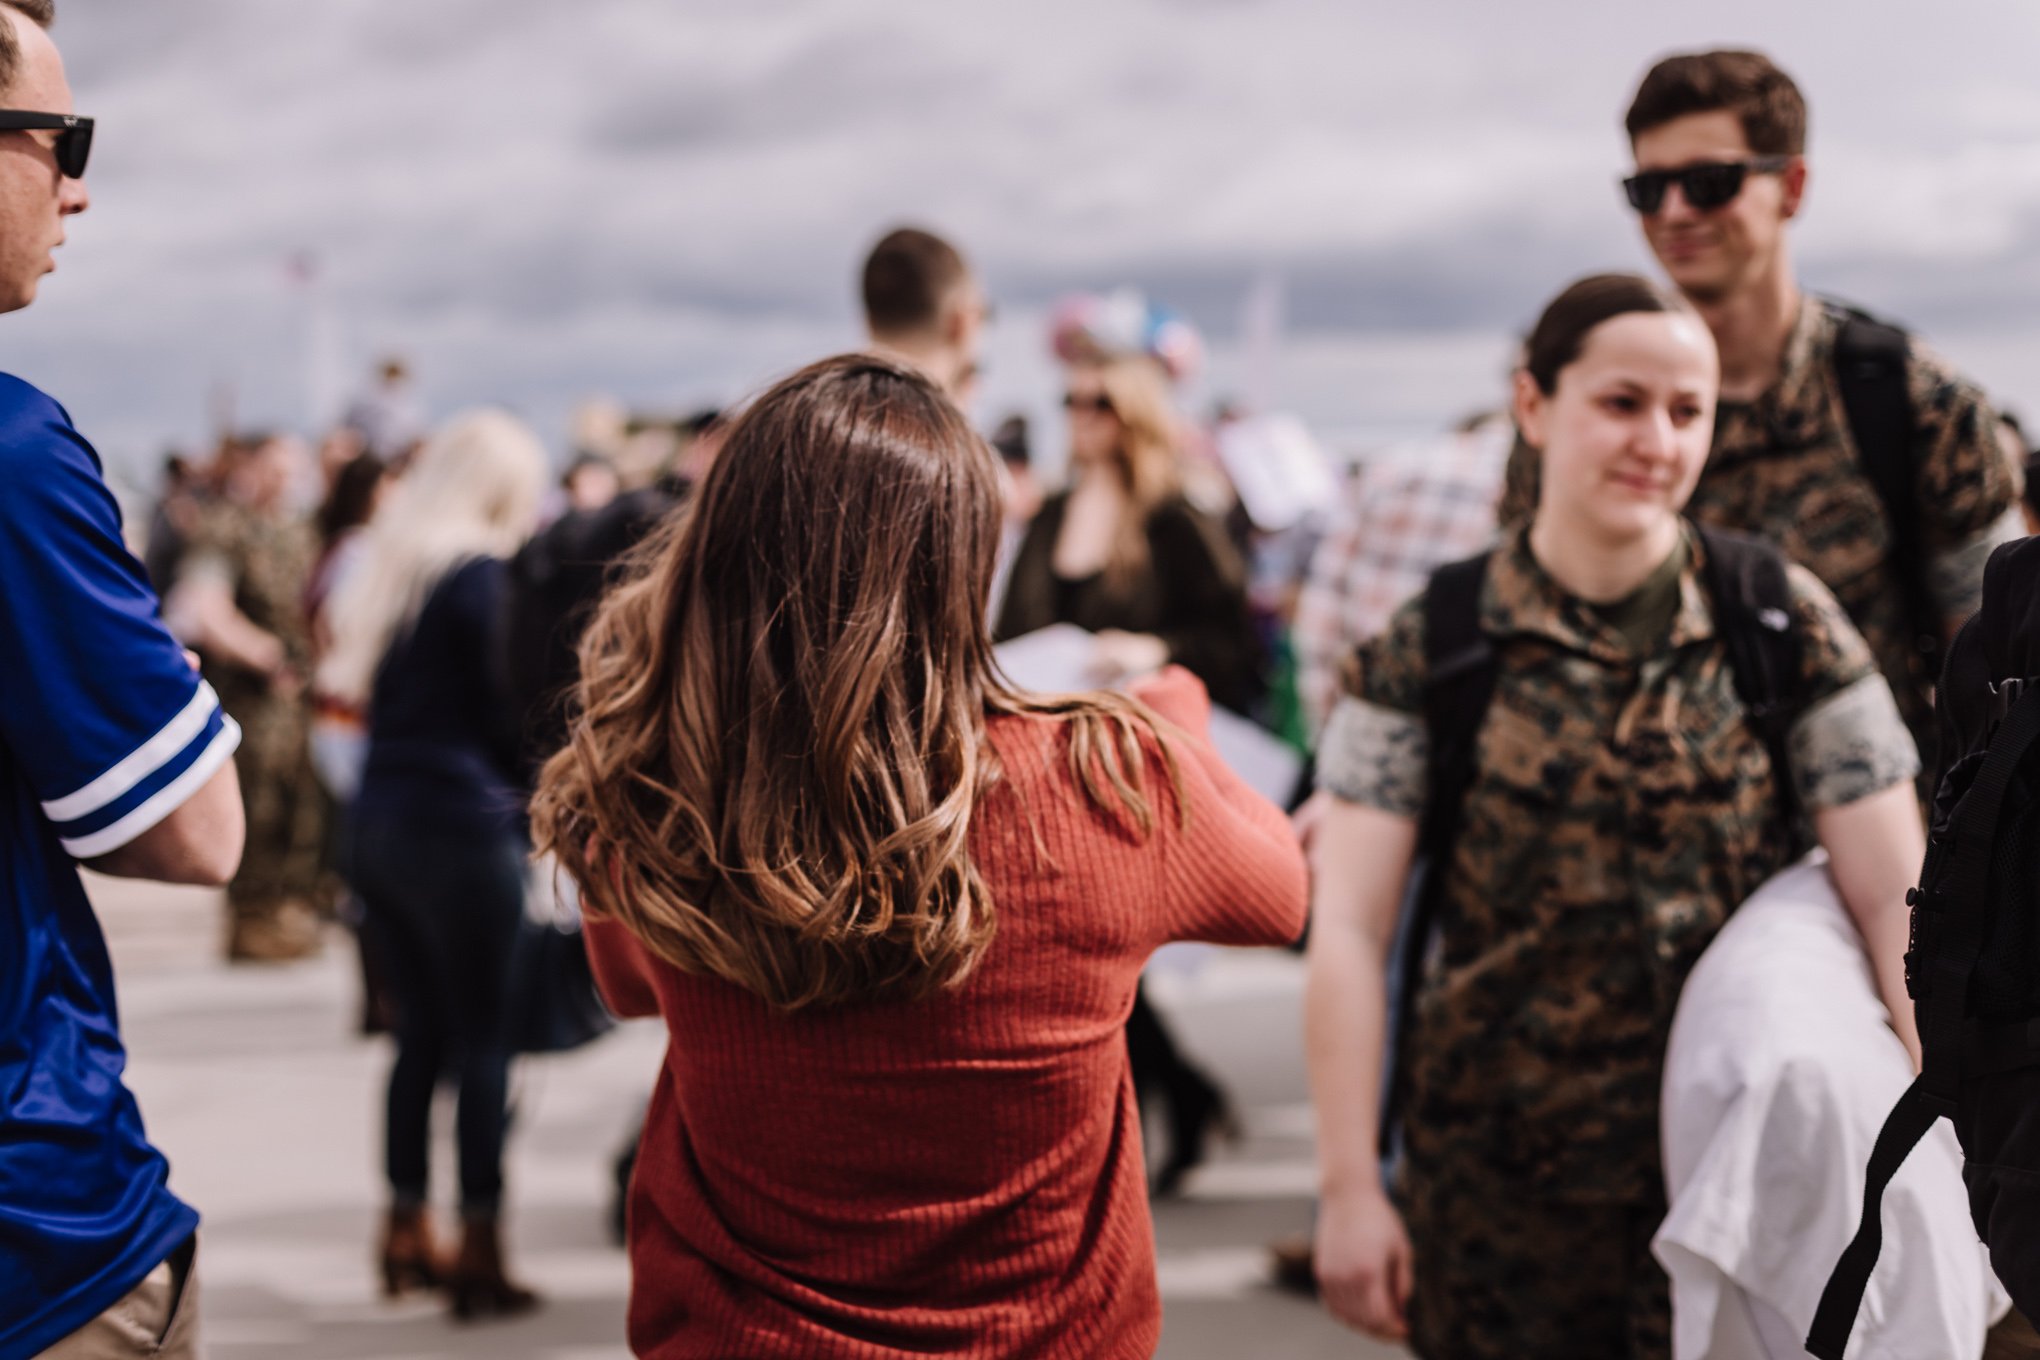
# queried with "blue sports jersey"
point(104, 730)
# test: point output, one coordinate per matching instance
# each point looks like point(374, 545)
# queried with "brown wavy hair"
point(781, 740)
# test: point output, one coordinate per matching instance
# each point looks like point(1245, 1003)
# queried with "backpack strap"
point(1959, 863)
point(1842, 1299)
point(1871, 358)
point(1459, 683)
point(1753, 613)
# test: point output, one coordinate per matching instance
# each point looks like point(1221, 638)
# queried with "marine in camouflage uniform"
point(1785, 467)
point(1621, 808)
point(265, 558)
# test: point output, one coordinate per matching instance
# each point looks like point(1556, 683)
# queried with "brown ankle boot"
point(409, 1258)
point(478, 1286)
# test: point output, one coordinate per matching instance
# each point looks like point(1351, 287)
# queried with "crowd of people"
point(1577, 681)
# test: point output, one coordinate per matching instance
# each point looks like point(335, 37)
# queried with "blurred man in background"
point(1403, 517)
point(387, 417)
point(112, 752)
point(923, 306)
point(240, 600)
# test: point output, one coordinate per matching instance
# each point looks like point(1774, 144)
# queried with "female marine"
point(1622, 803)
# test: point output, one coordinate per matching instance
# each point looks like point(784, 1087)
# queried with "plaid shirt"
point(1406, 515)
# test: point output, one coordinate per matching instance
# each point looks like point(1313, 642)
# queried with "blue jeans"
point(445, 904)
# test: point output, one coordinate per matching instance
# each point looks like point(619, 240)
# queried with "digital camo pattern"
point(1501, 1276)
point(1850, 745)
point(1622, 808)
point(1377, 756)
point(1786, 468)
point(266, 560)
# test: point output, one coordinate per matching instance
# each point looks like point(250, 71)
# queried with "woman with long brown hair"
point(892, 911)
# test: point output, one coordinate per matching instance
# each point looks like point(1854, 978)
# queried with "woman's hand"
point(1117, 655)
point(1364, 1263)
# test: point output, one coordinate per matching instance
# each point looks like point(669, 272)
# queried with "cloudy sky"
point(667, 199)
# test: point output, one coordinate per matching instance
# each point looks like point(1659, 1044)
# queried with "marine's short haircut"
point(907, 277)
point(1762, 97)
point(43, 13)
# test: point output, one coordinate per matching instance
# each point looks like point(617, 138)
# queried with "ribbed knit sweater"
point(959, 1175)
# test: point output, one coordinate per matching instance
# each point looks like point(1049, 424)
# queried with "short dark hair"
point(1561, 333)
point(1746, 84)
point(907, 277)
point(42, 13)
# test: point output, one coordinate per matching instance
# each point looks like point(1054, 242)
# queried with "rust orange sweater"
point(961, 1175)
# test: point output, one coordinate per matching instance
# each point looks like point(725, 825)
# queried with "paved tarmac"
point(268, 1104)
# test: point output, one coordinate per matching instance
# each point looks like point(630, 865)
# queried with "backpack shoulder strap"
point(1459, 682)
point(1871, 358)
point(1753, 613)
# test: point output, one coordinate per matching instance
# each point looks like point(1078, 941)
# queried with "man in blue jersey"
point(112, 753)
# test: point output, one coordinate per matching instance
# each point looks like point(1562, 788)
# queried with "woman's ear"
point(1529, 408)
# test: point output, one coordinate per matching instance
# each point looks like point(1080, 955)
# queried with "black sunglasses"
point(1097, 405)
point(1706, 187)
point(74, 136)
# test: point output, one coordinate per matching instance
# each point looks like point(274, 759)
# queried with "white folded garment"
point(1781, 1069)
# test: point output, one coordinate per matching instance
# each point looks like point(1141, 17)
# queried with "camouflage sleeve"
point(1966, 485)
point(209, 556)
point(1375, 750)
point(1519, 486)
point(1850, 742)
point(1955, 575)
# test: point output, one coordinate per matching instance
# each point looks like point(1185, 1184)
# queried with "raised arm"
point(1236, 874)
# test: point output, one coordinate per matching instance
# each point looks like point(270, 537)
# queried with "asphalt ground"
point(268, 1103)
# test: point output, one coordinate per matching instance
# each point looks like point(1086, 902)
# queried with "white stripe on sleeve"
point(164, 802)
point(151, 756)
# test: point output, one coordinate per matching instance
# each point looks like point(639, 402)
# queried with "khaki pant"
point(158, 1319)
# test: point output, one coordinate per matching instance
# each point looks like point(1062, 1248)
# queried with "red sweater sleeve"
point(621, 969)
point(1235, 874)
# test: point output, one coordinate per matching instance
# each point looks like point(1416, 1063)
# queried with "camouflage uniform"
point(1785, 467)
point(1620, 809)
point(266, 561)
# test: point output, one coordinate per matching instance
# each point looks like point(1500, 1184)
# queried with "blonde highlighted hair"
point(1147, 457)
point(781, 744)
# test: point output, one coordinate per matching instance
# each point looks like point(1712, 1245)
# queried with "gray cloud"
point(538, 200)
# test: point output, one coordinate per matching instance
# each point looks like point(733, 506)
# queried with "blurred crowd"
point(392, 613)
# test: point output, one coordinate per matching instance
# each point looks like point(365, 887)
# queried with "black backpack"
point(1973, 968)
point(1752, 602)
point(1870, 371)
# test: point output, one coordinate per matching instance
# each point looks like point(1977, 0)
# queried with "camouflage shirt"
point(1785, 467)
point(1621, 808)
point(266, 561)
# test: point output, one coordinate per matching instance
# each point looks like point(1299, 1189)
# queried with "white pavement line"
point(1214, 1273)
point(335, 1282)
point(1288, 1179)
point(1297, 1119)
point(1219, 975)
point(272, 1336)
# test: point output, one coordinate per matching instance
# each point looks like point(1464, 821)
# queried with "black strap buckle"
point(2005, 693)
